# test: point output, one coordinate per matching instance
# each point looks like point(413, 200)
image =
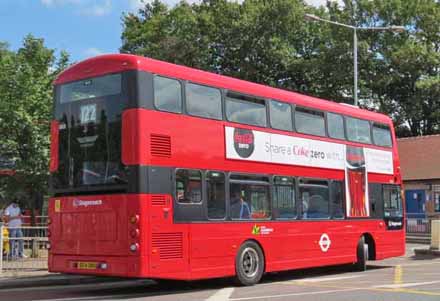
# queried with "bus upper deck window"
point(203, 101)
point(309, 121)
point(335, 126)
point(382, 135)
point(358, 130)
point(246, 109)
point(167, 94)
point(280, 115)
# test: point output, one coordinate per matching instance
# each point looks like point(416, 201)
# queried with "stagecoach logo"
point(324, 242)
point(82, 203)
point(244, 142)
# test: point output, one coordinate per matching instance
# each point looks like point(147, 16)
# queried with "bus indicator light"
point(134, 219)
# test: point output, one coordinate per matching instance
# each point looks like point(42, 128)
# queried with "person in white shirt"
point(13, 216)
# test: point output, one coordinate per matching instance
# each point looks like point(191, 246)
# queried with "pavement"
point(406, 278)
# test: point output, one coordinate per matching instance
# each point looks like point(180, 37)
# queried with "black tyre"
point(249, 264)
point(362, 255)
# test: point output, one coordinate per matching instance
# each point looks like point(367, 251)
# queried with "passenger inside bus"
point(239, 207)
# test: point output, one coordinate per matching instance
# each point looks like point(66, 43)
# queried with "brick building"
point(420, 164)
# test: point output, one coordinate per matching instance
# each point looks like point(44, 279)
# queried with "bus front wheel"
point(362, 255)
point(249, 264)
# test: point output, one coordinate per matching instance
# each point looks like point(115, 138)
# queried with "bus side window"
point(309, 121)
point(358, 130)
point(315, 198)
point(335, 126)
point(382, 135)
point(280, 115)
point(216, 198)
point(188, 186)
point(246, 109)
point(337, 200)
point(203, 101)
point(249, 197)
point(283, 198)
point(167, 94)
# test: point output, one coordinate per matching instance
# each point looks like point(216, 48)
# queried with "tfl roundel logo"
point(244, 142)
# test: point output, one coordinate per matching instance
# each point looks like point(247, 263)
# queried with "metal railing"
point(418, 225)
point(24, 248)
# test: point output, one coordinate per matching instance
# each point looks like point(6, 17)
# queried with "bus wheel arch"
point(369, 240)
point(250, 263)
point(364, 246)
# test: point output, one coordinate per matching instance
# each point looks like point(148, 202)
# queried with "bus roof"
point(111, 63)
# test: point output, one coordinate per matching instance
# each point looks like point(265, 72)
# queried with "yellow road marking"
point(386, 290)
point(398, 271)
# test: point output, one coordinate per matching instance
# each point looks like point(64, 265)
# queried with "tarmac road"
point(403, 278)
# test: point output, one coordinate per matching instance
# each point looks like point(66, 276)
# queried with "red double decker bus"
point(167, 172)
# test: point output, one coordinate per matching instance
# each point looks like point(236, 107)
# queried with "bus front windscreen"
point(89, 129)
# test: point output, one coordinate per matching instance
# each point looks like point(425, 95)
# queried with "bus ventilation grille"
point(160, 146)
point(158, 200)
point(170, 245)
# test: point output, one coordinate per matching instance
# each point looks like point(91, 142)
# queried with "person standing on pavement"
point(13, 216)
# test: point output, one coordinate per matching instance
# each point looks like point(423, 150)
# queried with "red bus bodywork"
point(101, 228)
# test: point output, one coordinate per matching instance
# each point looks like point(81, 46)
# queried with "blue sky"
point(83, 28)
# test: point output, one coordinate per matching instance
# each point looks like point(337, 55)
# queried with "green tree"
point(269, 42)
point(26, 77)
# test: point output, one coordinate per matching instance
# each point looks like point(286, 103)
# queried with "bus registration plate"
point(87, 265)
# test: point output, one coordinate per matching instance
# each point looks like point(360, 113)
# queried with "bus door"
point(386, 204)
point(393, 207)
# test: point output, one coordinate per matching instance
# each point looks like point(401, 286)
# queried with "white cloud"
point(101, 8)
point(318, 3)
point(92, 51)
point(60, 2)
point(83, 7)
point(134, 5)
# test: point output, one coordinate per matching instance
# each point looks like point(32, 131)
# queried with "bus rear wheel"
point(362, 255)
point(249, 264)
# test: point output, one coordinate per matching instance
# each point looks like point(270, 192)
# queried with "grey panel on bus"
point(160, 180)
point(145, 92)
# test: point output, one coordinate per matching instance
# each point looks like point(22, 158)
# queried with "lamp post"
point(393, 28)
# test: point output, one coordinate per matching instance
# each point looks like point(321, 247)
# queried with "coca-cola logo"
point(244, 142)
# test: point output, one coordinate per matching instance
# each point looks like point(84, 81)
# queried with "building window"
point(335, 126)
point(249, 199)
point(245, 109)
point(203, 101)
point(215, 184)
point(283, 198)
point(188, 186)
point(358, 130)
point(167, 94)
point(436, 193)
point(280, 115)
point(309, 122)
point(314, 195)
point(382, 135)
